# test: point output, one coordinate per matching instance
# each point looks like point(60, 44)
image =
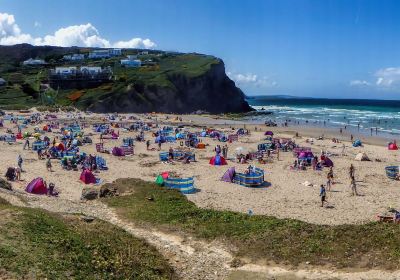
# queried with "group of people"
point(223, 150)
point(330, 182)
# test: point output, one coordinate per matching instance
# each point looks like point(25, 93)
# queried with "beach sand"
point(284, 197)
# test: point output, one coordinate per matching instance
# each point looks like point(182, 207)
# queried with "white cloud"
point(37, 24)
point(359, 83)
point(10, 33)
point(84, 35)
point(252, 80)
point(136, 43)
point(388, 77)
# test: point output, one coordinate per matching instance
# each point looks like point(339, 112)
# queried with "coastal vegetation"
point(164, 79)
point(36, 244)
point(285, 241)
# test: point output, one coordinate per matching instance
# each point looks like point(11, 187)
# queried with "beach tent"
point(159, 180)
point(361, 157)
point(393, 146)
point(60, 146)
point(392, 172)
point(229, 175)
point(218, 160)
point(117, 151)
point(215, 134)
point(36, 186)
point(328, 162)
point(240, 151)
point(270, 133)
point(180, 136)
point(87, 177)
point(160, 139)
point(357, 143)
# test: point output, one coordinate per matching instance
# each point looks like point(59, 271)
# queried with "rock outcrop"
point(213, 92)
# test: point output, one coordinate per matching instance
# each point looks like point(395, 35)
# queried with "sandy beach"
point(285, 195)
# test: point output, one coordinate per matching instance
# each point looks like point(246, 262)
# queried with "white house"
point(74, 57)
point(32, 61)
point(131, 62)
point(132, 56)
point(99, 54)
point(91, 69)
point(115, 52)
point(144, 53)
point(65, 70)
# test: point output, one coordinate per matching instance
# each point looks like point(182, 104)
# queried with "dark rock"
point(89, 194)
point(88, 219)
point(213, 92)
point(108, 190)
point(5, 185)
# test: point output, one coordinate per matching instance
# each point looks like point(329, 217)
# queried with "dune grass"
point(261, 237)
point(35, 244)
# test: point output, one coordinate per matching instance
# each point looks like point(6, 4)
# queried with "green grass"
point(35, 244)
point(262, 237)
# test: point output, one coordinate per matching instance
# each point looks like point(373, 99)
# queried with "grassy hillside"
point(262, 237)
point(35, 244)
point(24, 82)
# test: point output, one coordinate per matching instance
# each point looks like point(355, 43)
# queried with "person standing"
point(322, 194)
point(19, 162)
point(48, 165)
point(26, 144)
point(353, 186)
point(351, 171)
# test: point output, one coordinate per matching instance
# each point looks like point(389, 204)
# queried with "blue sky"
point(320, 48)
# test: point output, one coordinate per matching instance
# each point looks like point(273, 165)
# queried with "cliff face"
point(213, 92)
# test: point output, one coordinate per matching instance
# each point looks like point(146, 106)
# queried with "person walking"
point(26, 144)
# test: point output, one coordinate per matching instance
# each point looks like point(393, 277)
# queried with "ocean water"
point(359, 115)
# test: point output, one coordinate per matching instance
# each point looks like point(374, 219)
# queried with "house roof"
point(2, 81)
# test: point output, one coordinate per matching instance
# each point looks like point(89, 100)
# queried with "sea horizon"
point(366, 116)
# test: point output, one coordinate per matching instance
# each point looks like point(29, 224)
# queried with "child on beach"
point(322, 194)
point(19, 162)
point(48, 165)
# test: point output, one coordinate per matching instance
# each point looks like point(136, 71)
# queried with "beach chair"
point(127, 150)
point(39, 146)
point(100, 148)
point(10, 139)
point(233, 137)
point(101, 163)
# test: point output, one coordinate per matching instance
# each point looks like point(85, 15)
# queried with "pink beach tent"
point(36, 186)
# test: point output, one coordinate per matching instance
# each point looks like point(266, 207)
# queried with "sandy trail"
point(190, 257)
